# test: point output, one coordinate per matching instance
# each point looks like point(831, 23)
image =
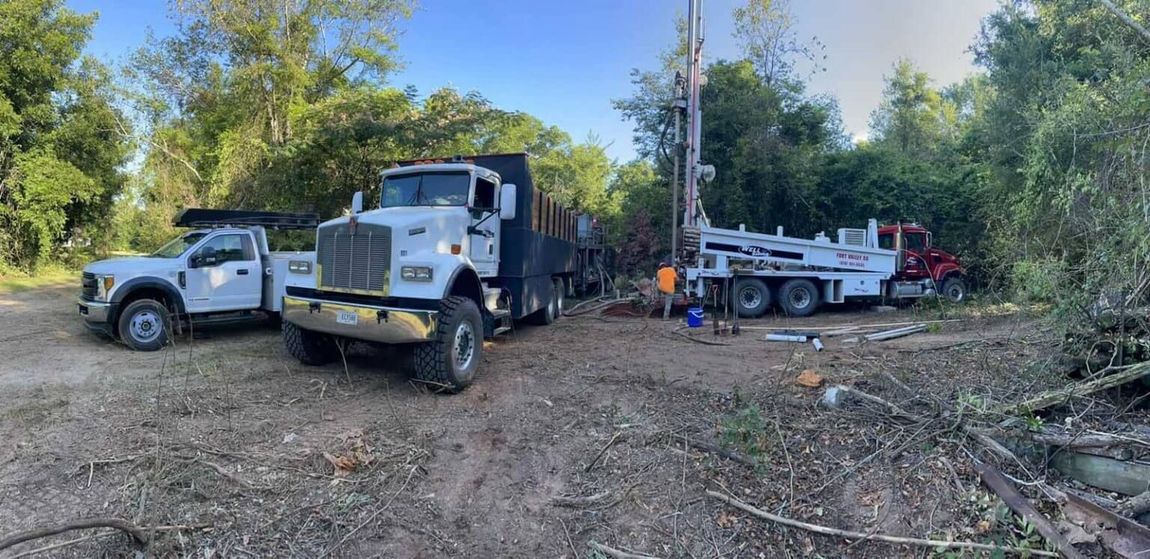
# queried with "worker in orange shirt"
point(666, 280)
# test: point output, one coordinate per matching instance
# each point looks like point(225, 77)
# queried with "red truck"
point(918, 259)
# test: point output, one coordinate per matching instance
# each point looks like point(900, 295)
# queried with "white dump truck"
point(219, 272)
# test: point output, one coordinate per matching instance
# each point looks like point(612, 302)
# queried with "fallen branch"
point(373, 516)
point(140, 535)
point(579, 502)
point(827, 531)
point(679, 332)
point(1135, 505)
point(603, 451)
point(716, 449)
point(1017, 503)
point(1055, 397)
point(610, 551)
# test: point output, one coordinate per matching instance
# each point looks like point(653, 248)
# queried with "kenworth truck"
point(219, 272)
point(455, 251)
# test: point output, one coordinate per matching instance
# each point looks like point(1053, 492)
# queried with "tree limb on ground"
point(1055, 397)
point(1022, 507)
point(899, 540)
point(617, 554)
point(140, 535)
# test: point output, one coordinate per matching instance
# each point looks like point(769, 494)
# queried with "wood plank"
point(1127, 478)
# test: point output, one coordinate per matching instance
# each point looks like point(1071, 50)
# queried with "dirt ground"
point(591, 430)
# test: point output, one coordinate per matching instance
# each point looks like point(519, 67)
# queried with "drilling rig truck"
point(456, 250)
point(756, 269)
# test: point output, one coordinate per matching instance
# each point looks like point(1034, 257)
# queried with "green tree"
point(60, 151)
point(914, 118)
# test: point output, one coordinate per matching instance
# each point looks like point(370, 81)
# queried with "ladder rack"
point(202, 217)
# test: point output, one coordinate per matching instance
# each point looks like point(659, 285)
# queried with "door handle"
point(242, 272)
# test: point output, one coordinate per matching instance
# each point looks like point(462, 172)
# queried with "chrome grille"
point(359, 261)
point(88, 287)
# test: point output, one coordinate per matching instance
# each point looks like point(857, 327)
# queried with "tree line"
point(1033, 169)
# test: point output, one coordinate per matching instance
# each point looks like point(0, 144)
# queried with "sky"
point(564, 61)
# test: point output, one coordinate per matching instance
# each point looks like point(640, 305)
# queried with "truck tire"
point(799, 297)
point(554, 308)
point(752, 297)
point(143, 326)
point(954, 289)
point(311, 348)
point(449, 362)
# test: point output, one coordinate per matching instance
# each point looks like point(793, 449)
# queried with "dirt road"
point(574, 433)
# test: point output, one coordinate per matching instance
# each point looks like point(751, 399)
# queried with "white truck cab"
point(222, 271)
point(455, 251)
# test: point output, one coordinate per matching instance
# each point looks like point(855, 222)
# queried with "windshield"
point(177, 246)
point(425, 189)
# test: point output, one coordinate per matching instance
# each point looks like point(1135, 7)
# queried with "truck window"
point(484, 195)
point(886, 241)
point(231, 248)
point(915, 241)
point(175, 247)
point(426, 189)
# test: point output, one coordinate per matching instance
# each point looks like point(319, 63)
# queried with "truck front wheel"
point(311, 348)
point(450, 360)
point(143, 325)
point(799, 297)
point(954, 289)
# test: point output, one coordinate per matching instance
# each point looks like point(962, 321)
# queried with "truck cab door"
point(915, 246)
point(224, 274)
point(484, 230)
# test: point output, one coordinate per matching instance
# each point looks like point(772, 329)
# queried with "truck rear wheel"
point(554, 309)
point(450, 360)
point(752, 297)
point(143, 325)
point(311, 348)
point(954, 289)
point(799, 297)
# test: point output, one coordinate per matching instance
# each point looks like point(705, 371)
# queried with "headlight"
point(299, 266)
point(104, 285)
point(415, 273)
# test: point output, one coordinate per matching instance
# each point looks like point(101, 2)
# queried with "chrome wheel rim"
point(955, 293)
point(463, 349)
point(750, 297)
point(145, 326)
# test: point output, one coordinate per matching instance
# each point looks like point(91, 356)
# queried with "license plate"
point(347, 317)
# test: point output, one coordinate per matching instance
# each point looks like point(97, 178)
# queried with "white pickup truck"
point(220, 272)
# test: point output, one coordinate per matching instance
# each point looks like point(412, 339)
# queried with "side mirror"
point(206, 257)
point(357, 203)
point(507, 200)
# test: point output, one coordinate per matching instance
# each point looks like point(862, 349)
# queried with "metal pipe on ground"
point(896, 333)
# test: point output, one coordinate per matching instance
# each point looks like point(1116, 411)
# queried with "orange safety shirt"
point(666, 279)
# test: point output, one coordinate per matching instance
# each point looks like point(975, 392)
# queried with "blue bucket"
point(695, 317)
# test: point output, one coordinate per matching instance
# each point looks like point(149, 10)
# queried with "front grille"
point(359, 261)
point(88, 285)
